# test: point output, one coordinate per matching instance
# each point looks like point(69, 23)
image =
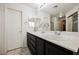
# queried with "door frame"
point(5, 43)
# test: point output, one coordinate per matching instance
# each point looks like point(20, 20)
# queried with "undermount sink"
point(56, 37)
point(53, 36)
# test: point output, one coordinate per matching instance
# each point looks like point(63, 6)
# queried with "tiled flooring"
point(25, 51)
point(21, 51)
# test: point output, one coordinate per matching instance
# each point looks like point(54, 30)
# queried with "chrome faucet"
point(57, 32)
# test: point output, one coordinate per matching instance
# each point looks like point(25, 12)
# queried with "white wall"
point(1, 28)
point(27, 12)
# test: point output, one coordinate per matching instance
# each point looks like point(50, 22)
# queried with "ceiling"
point(54, 8)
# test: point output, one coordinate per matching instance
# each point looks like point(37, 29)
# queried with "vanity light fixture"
point(60, 14)
point(42, 5)
point(55, 6)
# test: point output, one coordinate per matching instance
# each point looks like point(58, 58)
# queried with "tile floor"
point(21, 51)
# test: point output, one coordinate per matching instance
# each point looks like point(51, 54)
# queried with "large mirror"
point(65, 23)
point(56, 17)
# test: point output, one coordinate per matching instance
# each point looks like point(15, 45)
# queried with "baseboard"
point(16, 49)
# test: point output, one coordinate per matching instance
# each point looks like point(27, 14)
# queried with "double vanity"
point(52, 43)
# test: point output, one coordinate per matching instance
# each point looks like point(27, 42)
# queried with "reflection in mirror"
point(73, 22)
point(44, 26)
point(62, 23)
point(68, 24)
point(33, 23)
point(58, 23)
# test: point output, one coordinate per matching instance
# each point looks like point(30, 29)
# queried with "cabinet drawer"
point(33, 50)
point(33, 43)
point(40, 46)
point(53, 49)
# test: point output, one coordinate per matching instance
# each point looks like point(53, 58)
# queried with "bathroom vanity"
point(43, 44)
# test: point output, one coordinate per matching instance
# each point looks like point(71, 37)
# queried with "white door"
point(13, 28)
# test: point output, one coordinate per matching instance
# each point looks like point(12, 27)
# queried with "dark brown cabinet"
point(35, 44)
point(53, 49)
point(50, 49)
point(39, 46)
point(31, 43)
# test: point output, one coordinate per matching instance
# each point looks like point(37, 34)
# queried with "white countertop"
point(67, 41)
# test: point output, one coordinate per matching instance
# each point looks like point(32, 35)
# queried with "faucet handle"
point(57, 32)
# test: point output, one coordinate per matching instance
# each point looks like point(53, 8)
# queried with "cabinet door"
point(40, 46)
point(31, 43)
point(52, 49)
point(28, 39)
